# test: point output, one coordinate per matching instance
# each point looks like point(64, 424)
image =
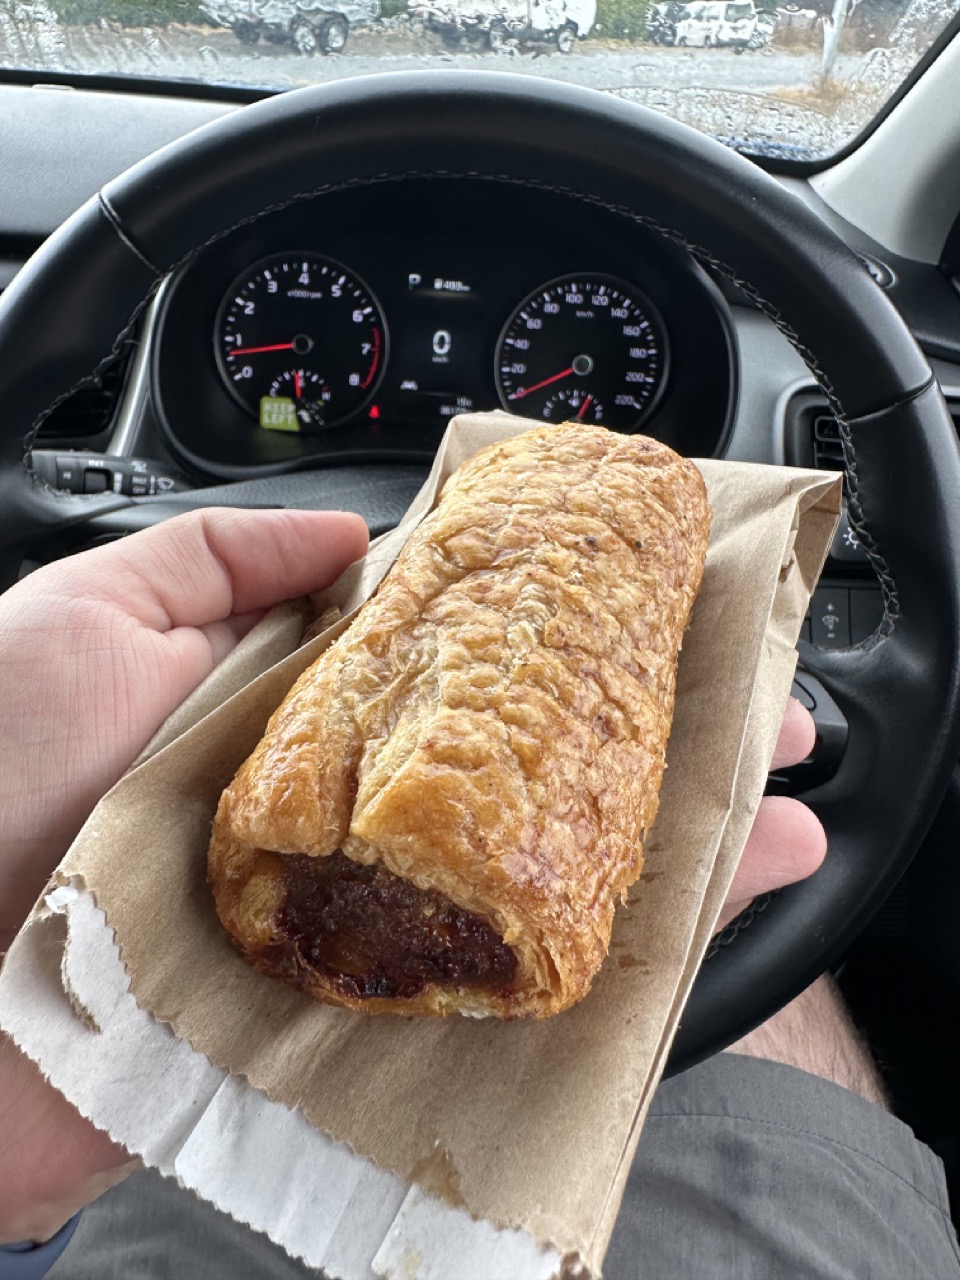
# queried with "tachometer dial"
point(585, 347)
point(301, 333)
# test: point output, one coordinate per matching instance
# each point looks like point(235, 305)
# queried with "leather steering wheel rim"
point(77, 299)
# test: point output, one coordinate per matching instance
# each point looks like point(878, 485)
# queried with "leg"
point(779, 1159)
point(816, 1034)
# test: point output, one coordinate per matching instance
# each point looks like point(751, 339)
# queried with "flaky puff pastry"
point(445, 810)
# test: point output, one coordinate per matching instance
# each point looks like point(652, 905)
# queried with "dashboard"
point(354, 326)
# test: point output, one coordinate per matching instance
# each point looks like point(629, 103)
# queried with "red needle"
point(252, 351)
point(526, 391)
point(298, 385)
point(584, 407)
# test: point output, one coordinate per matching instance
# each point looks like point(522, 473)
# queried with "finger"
point(787, 844)
point(798, 734)
point(209, 565)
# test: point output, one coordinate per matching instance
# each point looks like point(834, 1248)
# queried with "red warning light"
point(374, 411)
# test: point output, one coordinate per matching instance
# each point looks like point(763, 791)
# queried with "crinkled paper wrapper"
point(418, 1148)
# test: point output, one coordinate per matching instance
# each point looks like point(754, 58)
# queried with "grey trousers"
point(747, 1170)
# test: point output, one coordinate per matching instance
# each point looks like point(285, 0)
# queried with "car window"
point(793, 81)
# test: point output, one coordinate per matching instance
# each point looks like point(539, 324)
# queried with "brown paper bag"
point(527, 1125)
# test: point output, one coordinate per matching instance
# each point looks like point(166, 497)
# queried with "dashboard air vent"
point(815, 437)
point(89, 412)
point(827, 449)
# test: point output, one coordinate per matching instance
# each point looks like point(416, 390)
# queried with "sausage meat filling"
point(375, 934)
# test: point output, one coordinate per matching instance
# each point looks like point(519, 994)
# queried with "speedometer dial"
point(586, 347)
point(300, 342)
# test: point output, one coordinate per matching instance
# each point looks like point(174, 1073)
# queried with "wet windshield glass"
point(793, 81)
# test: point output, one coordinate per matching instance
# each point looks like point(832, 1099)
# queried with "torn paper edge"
point(200, 1125)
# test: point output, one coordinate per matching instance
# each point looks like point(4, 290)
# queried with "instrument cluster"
point(355, 327)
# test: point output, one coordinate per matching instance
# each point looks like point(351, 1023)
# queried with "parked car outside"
point(731, 25)
point(661, 22)
point(523, 24)
point(311, 26)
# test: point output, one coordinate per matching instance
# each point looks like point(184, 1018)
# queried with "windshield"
point(790, 81)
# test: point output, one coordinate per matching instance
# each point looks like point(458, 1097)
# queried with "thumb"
point(209, 565)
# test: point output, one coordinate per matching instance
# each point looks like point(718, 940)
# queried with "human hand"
point(95, 652)
point(787, 842)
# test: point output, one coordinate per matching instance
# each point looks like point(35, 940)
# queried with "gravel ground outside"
point(766, 101)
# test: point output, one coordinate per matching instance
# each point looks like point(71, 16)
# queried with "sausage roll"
point(446, 808)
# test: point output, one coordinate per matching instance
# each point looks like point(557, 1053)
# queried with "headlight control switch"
point(105, 473)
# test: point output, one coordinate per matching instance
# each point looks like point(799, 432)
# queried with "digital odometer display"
point(586, 348)
point(300, 342)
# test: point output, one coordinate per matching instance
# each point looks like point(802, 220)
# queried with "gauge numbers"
point(300, 342)
point(587, 348)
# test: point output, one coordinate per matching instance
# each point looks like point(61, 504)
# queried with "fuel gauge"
point(309, 393)
point(575, 405)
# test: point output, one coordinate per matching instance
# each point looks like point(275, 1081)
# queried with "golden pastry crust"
point(492, 727)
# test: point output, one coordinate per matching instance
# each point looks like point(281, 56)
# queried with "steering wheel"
point(79, 296)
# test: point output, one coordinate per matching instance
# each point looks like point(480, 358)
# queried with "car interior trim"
point(137, 391)
point(912, 215)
